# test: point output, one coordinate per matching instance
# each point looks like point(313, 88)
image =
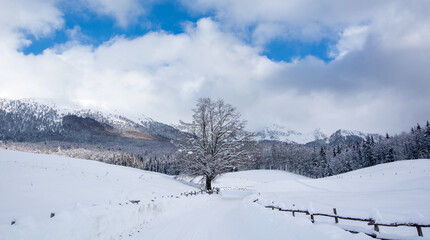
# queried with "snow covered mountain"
point(279, 133)
point(28, 120)
point(316, 137)
point(35, 120)
point(349, 137)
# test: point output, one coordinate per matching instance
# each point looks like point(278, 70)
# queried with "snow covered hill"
point(93, 200)
point(400, 190)
point(90, 200)
point(391, 192)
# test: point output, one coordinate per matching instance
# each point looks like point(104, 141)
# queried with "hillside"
point(37, 126)
point(91, 200)
point(399, 191)
point(28, 120)
point(391, 192)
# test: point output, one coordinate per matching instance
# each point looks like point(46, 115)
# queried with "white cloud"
point(20, 16)
point(264, 33)
point(302, 19)
point(311, 20)
point(351, 39)
point(124, 11)
point(158, 74)
point(403, 25)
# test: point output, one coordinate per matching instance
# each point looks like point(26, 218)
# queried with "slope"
point(91, 200)
point(393, 192)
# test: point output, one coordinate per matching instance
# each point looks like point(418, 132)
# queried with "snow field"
point(231, 215)
point(91, 200)
point(393, 192)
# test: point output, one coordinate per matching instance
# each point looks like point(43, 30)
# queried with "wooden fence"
point(186, 194)
point(369, 221)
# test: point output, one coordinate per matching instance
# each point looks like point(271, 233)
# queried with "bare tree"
point(216, 140)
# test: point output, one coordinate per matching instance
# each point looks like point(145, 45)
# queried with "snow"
point(91, 200)
point(393, 192)
point(228, 217)
point(85, 196)
point(40, 105)
point(255, 178)
point(281, 133)
point(345, 133)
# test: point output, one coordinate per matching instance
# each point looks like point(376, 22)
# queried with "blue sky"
point(170, 16)
point(166, 16)
point(302, 64)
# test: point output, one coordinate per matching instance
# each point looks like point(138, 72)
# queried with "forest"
point(322, 161)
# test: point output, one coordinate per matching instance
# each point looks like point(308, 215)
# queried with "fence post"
point(293, 213)
point(376, 227)
point(336, 219)
point(420, 231)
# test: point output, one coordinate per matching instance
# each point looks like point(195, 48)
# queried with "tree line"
point(322, 161)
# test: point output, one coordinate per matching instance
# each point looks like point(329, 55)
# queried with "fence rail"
point(370, 221)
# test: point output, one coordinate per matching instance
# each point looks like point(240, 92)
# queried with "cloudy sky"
point(303, 64)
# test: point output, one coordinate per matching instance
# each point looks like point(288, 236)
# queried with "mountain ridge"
point(35, 116)
point(316, 137)
point(30, 119)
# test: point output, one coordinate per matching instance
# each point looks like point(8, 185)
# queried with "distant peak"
point(278, 132)
point(344, 132)
point(143, 118)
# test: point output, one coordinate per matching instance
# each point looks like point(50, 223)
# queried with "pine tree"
point(427, 140)
point(324, 166)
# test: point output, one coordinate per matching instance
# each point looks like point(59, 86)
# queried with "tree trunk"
point(208, 183)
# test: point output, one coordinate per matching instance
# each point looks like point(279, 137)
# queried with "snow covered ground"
point(395, 192)
point(91, 200)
